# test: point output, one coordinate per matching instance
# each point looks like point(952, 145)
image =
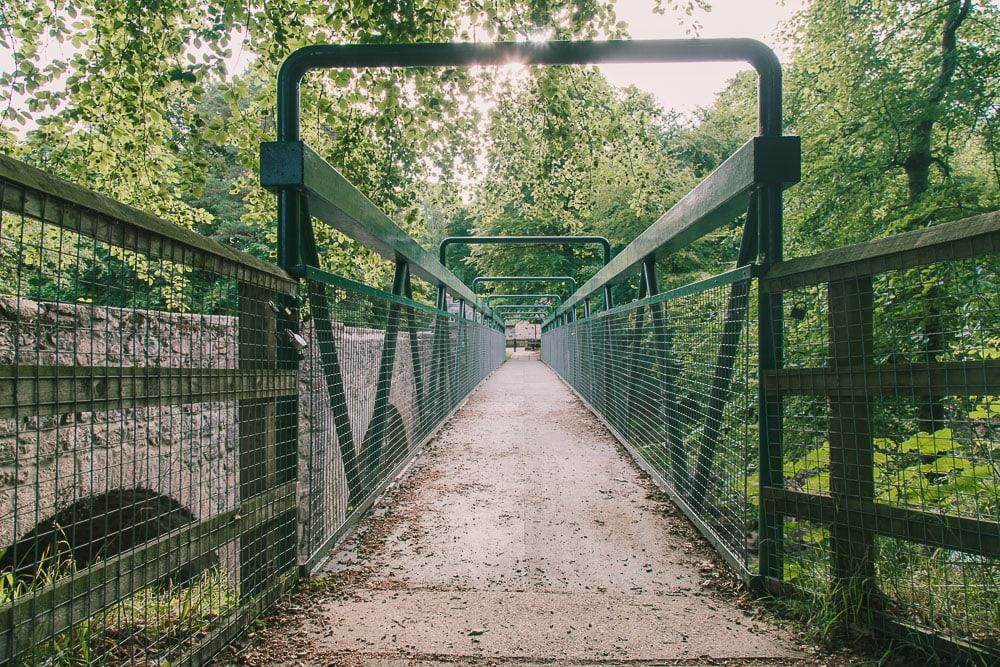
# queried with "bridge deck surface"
point(523, 534)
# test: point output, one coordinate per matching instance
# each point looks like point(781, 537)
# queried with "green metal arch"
point(523, 240)
point(476, 282)
point(492, 297)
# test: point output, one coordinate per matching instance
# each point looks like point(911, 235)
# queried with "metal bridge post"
point(439, 349)
point(416, 361)
point(769, 353)
point(662, 343)
point(330, 363)
point(634, 345)
point(374, 438)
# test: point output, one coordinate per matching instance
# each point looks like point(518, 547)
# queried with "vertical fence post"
point(439, 378)
point(634, 346)
point(675, 466)
point(852, 548)
point(419, 386)
point(769, 406)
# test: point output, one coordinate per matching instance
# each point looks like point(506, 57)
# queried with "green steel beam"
point(338, 56)
point(333, 199)
point(489, 299)
point(524, 240)
point(294, 234)
point(530, 240)
point(515, 311)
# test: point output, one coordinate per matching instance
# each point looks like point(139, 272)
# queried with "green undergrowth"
point(145, 628)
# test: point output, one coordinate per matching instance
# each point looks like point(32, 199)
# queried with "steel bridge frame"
point(489, 299)
point(531, 240)
point(479, 280)
point(768, 163)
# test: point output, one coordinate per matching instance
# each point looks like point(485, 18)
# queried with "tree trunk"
point(917, 166)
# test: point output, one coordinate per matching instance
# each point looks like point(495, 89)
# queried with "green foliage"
point(899, 126)
point(134, 100)
point(571, 155)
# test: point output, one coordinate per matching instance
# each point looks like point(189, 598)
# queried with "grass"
point(143, 629)
point(913, 585)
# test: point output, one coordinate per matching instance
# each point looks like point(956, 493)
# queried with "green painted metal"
point(489, 299)
point(332, 279)
point(294, 238)
point(515, 311)
point(530, 240)
point(523, 240)
point(330, 197)
point(478, 281)
point(717, 200)
point(768, 163)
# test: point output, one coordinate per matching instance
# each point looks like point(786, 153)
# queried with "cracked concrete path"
point(523, 535)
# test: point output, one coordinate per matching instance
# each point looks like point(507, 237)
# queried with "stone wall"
point(186, 452)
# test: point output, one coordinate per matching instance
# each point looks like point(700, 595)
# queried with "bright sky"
point(684, 87)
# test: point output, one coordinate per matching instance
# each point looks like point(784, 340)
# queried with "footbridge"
point(188, 433)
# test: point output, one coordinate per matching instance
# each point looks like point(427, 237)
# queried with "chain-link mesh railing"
point(671, 376)
point(154, 416)
point(380, 374)
point(890, 437)
point(886, 456)
point(146, 476)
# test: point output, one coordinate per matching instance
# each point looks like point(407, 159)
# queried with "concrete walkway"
point(524, 534)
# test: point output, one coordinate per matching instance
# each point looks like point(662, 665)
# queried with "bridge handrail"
point(334, 200)
point(962, 239)
point(148, 233)
point(715, 201)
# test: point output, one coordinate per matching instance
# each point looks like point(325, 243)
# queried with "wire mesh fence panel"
point(891, 448)
point(672, 377)
point(147, 459)
point(379, 375)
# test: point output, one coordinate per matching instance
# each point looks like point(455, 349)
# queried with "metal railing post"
point(371, 445)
